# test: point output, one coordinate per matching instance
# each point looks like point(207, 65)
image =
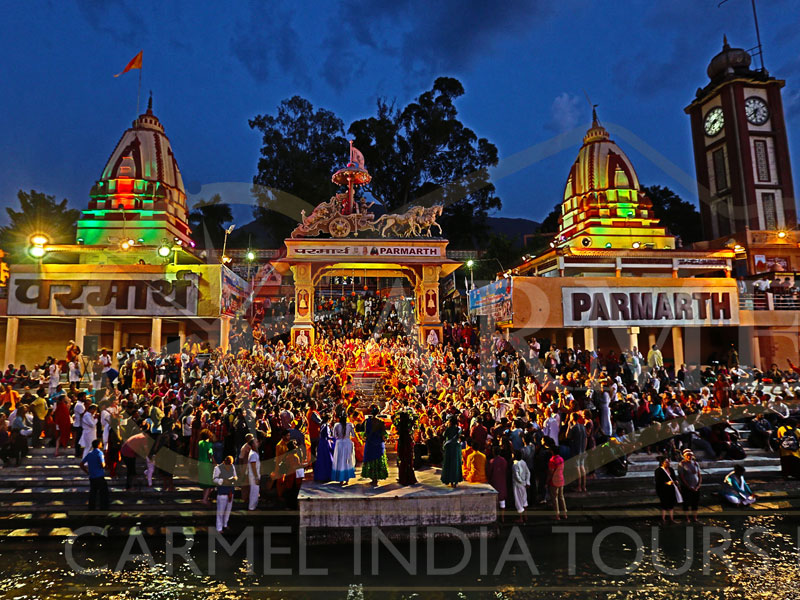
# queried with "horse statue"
point(427, 219)
point(400, 225)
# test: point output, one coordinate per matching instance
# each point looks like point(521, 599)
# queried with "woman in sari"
point(324, 459)
point(375, 466)
point(451, 464)
point(405, 449)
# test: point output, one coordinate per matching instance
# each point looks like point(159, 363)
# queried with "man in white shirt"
point(74, 371)
point(253, 474)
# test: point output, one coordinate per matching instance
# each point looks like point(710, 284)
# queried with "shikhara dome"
point(144, 152)
point(603, 203)
point(140, 193)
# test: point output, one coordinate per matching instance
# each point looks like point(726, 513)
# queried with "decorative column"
point(12, 329)
point(155, 335)
point(588, 339)
point(430, 324)
point(80, 331)
point(181, 333)
point(116, 344)
point(570, 338)
point(633, 338)
point(677, 347)
point(303, 328)
point(651, 340)
point(224, 332)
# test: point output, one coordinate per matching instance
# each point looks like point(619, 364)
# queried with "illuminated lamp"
point(37, 251)
point(636, 245)
point(738, 248)
point(80, 241)
point(164, 250)
point(608, 244)
point(179, 242)
point(552, 244)
point(781, 234)
point(125, 245)
point(251, 255)
point(140, 241)
point(470, 263)
point(39, 239)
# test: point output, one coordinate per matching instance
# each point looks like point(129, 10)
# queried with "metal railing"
point(769, 301)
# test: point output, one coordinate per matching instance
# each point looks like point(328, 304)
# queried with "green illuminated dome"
point(140, 193)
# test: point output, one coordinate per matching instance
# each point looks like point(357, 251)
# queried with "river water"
point(610, 560)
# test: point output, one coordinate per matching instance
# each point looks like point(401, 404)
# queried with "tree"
point(301, 147)
point(208, 219)
point(39, 213)
point(424, 154)
point(680, 217)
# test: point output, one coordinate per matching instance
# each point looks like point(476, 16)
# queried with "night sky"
point(524, 65)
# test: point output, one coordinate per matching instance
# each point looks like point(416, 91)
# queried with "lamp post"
point(470, 264)
point(228, 231)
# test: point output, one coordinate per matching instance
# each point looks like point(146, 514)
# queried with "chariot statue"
point(342, 215)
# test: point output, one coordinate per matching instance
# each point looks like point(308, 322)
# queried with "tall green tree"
point(38, 213)
point(208, 220)
point(301, 147)
point(680, 217)
point(424, 154)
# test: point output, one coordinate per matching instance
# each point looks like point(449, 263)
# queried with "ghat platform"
point(329, 511)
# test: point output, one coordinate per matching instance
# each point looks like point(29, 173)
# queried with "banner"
point(652, 306)
point(493, 300)
point(234, 294)
point(136, 294)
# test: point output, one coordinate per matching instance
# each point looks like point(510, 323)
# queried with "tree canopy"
point(421, 153)
point(424, 153)
point(208, 219)
point(680, 217)
point(301, 147)
point(38, 213)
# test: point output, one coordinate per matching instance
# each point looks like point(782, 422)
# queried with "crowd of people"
point(263, 417)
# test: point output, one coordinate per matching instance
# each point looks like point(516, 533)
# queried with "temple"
point(139, 197)
point(604, 206)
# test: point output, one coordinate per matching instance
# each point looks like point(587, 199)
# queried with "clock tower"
point(741, 153)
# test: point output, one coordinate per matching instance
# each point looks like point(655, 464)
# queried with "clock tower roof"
point(730, 61)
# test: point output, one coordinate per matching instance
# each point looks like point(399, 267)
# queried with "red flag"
point(136, 63)
point(356, 157)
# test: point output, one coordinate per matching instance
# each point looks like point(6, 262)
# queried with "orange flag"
point(136, 63)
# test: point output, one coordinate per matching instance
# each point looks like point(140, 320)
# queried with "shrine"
point(403, 247)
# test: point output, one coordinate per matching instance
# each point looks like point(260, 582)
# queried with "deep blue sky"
point(525, 66)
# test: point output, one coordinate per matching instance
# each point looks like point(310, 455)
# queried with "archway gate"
point(422, 261)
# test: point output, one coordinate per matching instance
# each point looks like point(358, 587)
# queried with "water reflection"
point(761, 562)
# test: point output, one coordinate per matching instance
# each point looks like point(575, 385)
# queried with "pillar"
point(633, 338)
point(117, 342)
point(80, 331)
point(303, 328)
point(756, 349)
point(651, 340)
point(570, 338)
point(677, 347)
point(12, 329)
point(224, 332)
point(182, 332)
point(588, 339)
point(155, 334)
point(429, 320)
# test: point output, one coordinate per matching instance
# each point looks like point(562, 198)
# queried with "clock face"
point(756, 110)
point(714, 121)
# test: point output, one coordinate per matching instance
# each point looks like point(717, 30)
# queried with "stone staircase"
point(47, 497)
point(365, 385)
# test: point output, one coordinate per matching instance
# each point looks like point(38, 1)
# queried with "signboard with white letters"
point(650, 306)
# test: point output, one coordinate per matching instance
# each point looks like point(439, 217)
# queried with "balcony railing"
point(769, 301)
